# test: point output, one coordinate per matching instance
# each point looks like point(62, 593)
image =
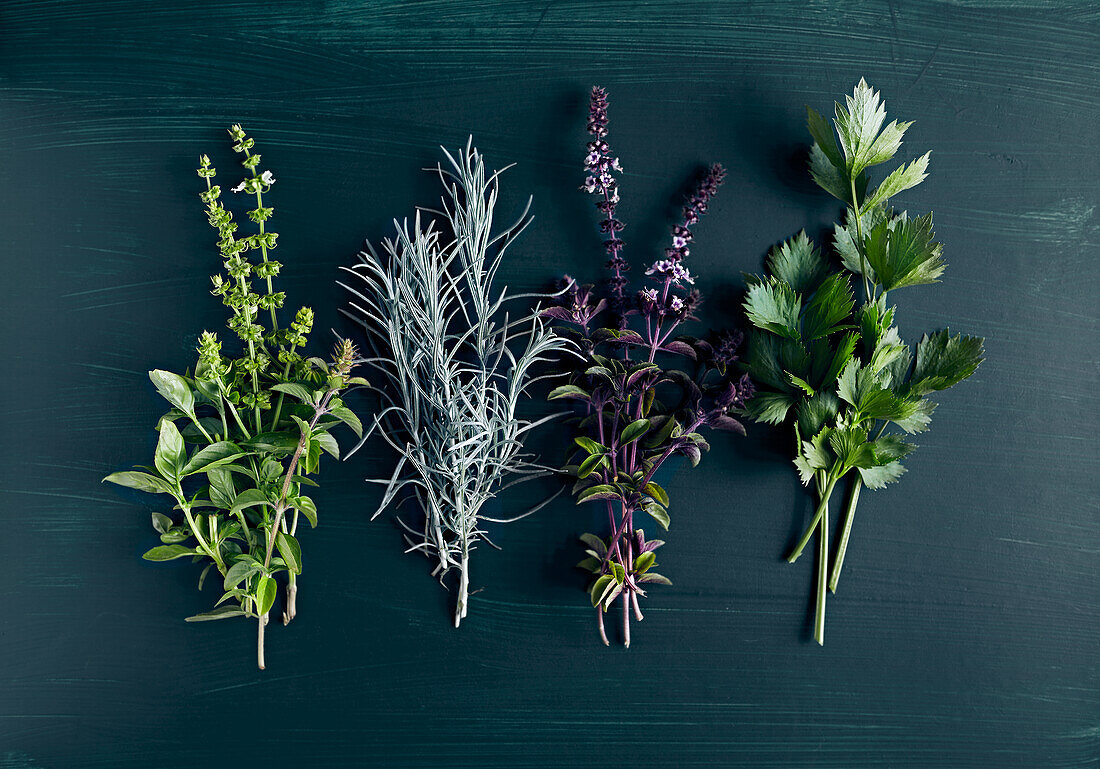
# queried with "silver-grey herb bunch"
point(454, 365)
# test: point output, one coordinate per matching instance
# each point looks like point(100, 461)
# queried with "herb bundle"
point(639, 407)
point(454, 366)
point(840, 374)
point(244, 434)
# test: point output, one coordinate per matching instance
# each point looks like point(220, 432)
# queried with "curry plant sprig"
point(453, 366)
point(841, 373)
point(236, 477)
point(638, 407)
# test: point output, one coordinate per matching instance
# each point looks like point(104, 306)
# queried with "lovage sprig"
point(639, 408)
point(842, 375)
point(231, 454)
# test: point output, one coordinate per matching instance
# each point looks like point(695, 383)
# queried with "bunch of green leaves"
point(453, 366)
point(243, 435)
point(841, 374)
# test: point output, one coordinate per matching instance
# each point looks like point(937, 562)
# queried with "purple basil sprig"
point(639, 407)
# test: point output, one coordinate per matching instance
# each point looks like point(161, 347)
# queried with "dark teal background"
point(964, 633)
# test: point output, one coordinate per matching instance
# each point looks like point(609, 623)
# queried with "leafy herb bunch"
point(639, 406)
point(840, 374)
point(243, 434)
point(453, 365)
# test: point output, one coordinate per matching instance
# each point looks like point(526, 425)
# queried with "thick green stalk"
point(822, 571)
point(822, 509)
point(859, 237)
point(845, 532)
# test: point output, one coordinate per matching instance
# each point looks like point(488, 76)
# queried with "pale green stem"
point(859, 244)
point(845, 532)
point(822, 509)
point(822, 572)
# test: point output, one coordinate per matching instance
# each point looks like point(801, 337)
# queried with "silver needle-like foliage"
point(454, 365)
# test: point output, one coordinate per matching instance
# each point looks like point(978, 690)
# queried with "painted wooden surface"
point(965, 630)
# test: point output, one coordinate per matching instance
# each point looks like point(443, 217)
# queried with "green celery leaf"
point(798, 263)
point(918, 421)
point(903, 252)
point(828, 308)
point(816, 412)
point(770, 408)
point(944, 360)
point(877, 477)
point(902, 178)
point(774, 306)
point(851, 447)
point(827, 176)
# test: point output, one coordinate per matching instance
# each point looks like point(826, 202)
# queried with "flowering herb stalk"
point(638, 407)
point(244, 433)
point(841, 374)
point(453, 366)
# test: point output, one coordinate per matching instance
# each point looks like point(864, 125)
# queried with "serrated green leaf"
point(900, 179)
point(851, 447)
point(843, 353)
point(762, 361)
point(816, 412)
point(774, 306)
point(918, 421)
point(798, 263)
point(654, 578)
point(863, 139)
point(877, 477)
point(888, 448)
point(823, 136)
point(827, 176)
point(944, 360)
point(846, 239)
point(829, 308)
point(770, 408)
point(903, 252)
point(801, 383)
